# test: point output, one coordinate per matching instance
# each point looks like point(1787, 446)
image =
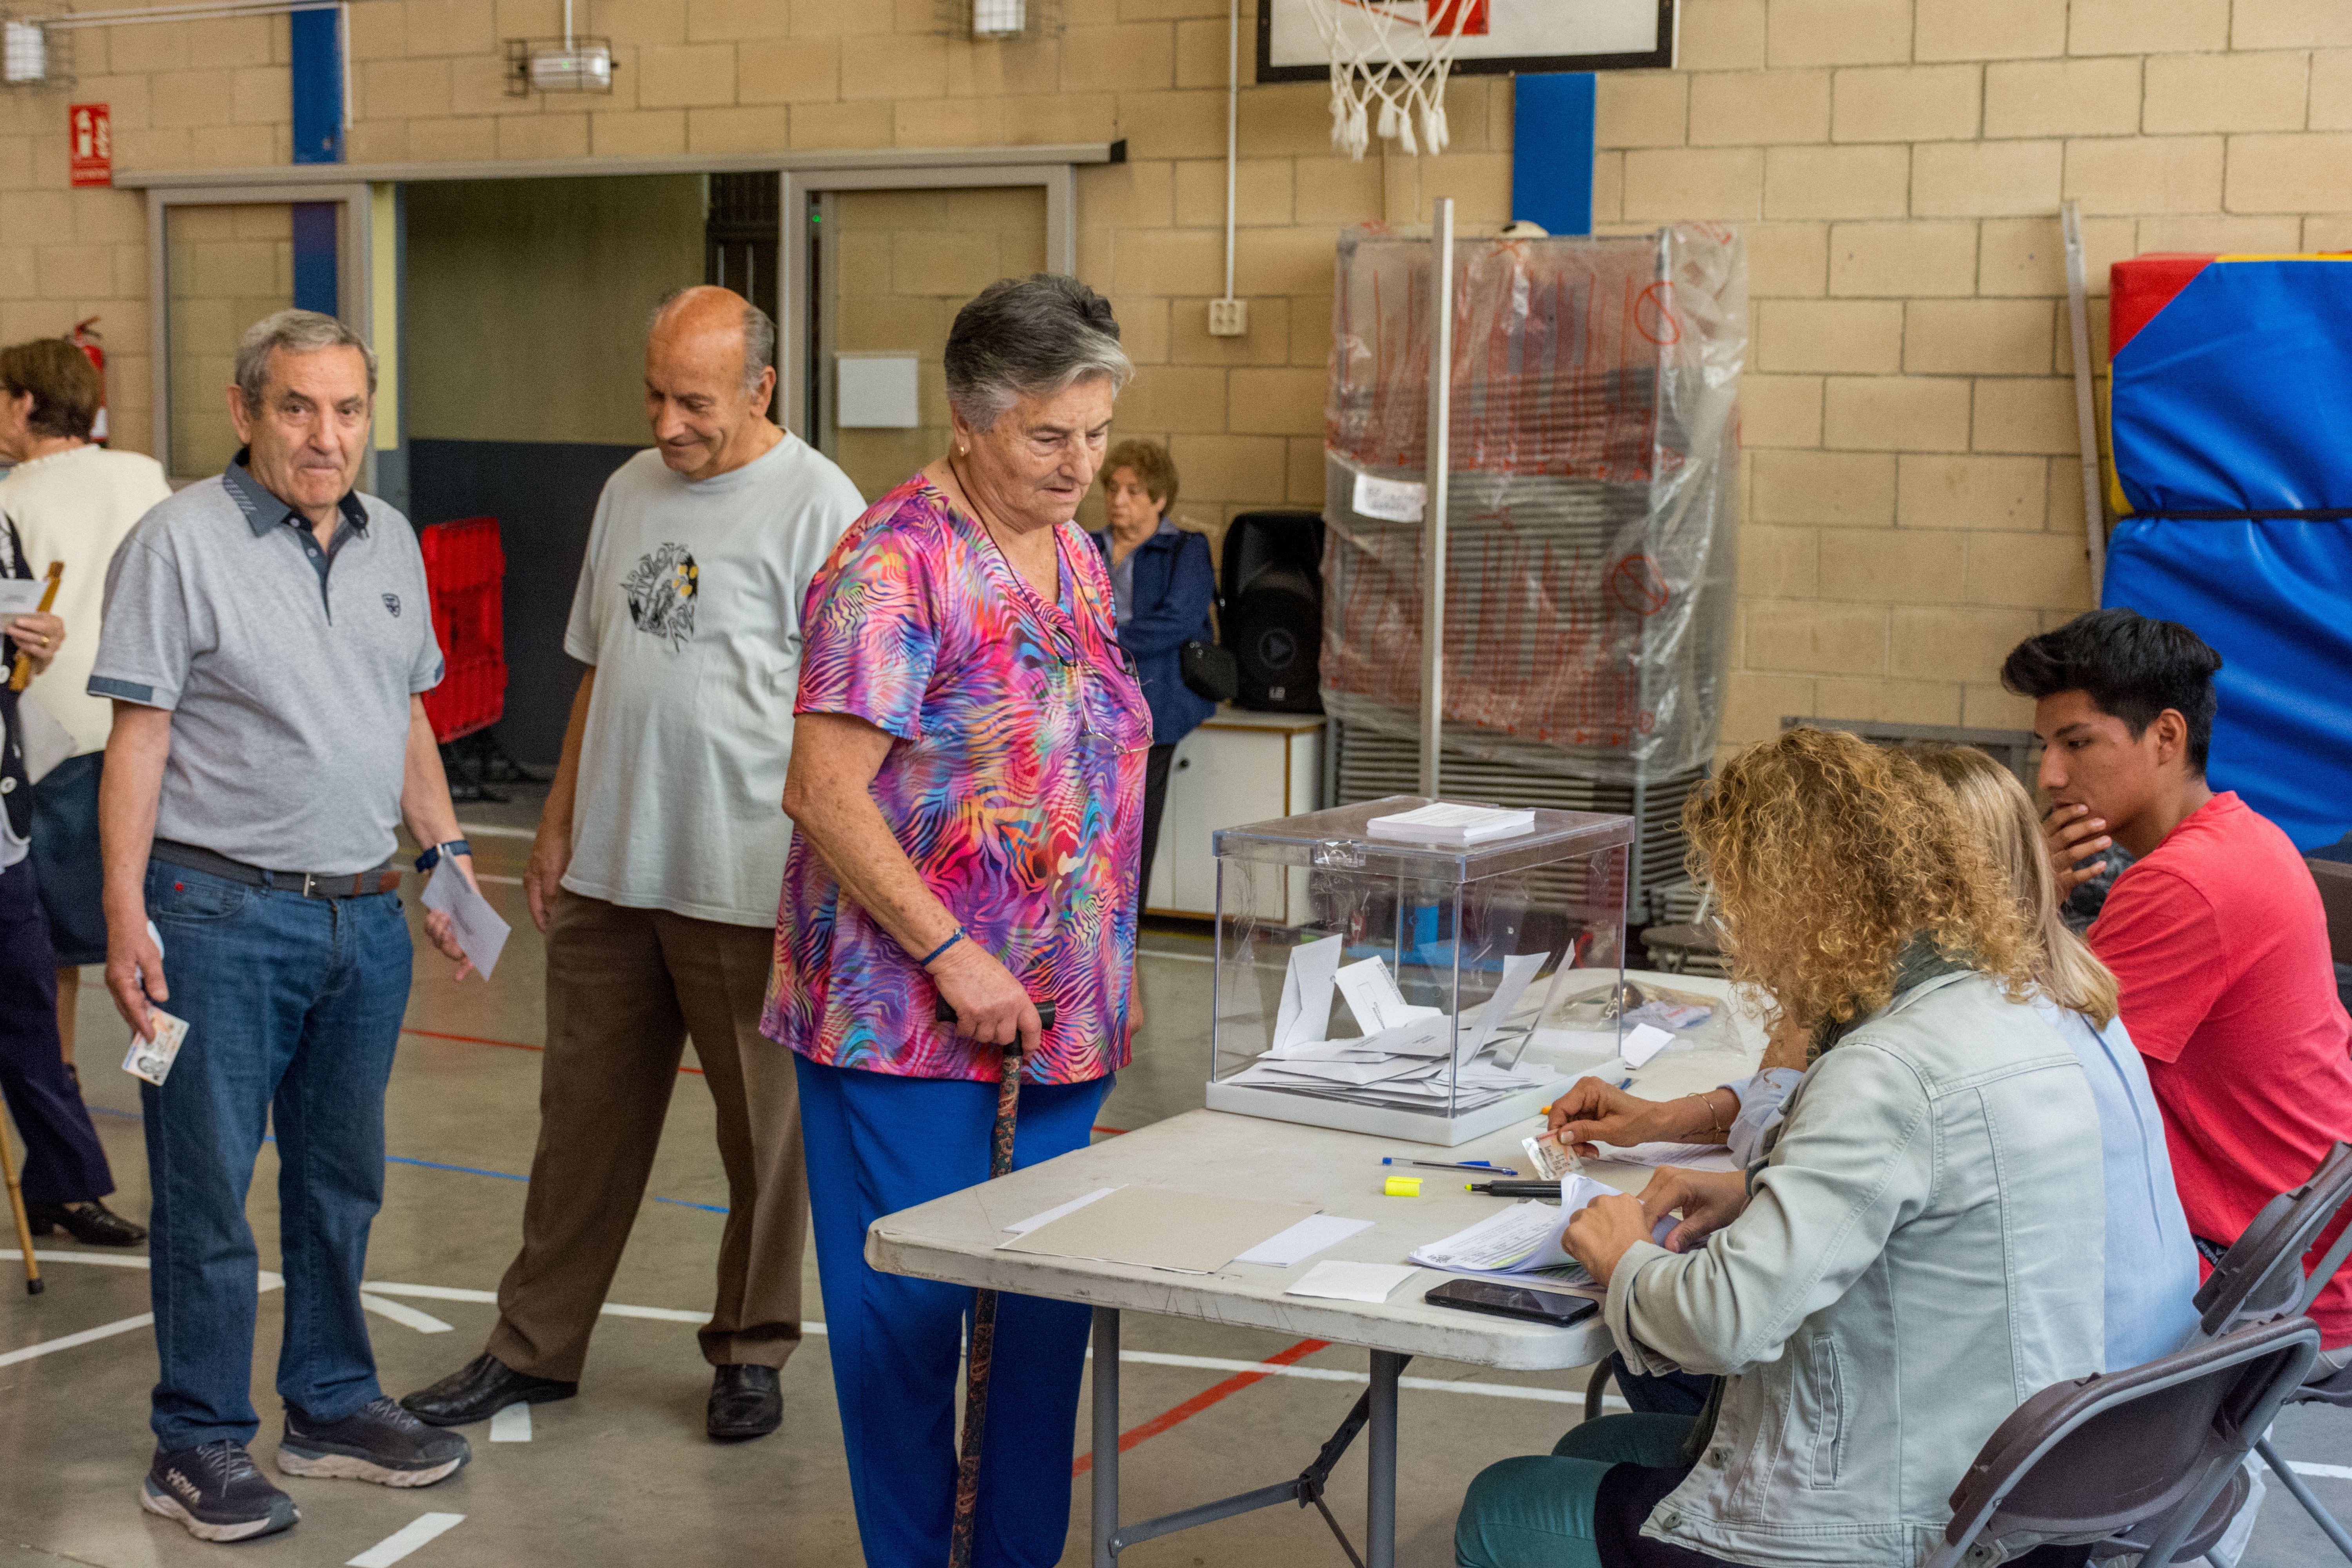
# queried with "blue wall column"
point(1552, 152)
point(317, 78)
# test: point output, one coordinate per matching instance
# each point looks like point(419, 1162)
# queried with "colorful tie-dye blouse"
point(1014, 785)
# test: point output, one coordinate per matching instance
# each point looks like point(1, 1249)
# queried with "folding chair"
point(2261, 1277)
point(2147, 1461)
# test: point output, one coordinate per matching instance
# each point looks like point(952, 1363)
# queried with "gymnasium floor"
point(623, 1474)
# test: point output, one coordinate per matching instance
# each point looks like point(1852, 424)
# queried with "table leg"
point(1106, 1450)
point(1380, 1481)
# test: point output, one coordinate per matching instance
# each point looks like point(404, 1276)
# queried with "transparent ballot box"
point(1421, 988)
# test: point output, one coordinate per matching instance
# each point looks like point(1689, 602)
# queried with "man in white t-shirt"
point(73, 502)
point(657, 868)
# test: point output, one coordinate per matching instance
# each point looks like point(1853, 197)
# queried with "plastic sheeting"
point(2232, 391)
point(1593, 460)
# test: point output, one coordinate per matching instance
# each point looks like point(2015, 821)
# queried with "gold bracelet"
point(1707, 1103)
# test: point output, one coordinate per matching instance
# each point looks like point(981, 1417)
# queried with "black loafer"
point(91, 1224)
point(479, 1390)
point(745, 1402)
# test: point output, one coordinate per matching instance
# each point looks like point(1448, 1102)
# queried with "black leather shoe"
point(479, 1390)
point(745, 1402)
point(93, 1224)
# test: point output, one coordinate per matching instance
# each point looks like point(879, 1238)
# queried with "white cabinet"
point(1235, 768)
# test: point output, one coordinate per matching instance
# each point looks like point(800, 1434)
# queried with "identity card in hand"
point(152, 1059)
point(479, 930)
point(20, 596)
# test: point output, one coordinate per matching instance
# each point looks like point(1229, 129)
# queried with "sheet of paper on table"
point(1304, 1240)
point(1524, 1240)
point(1024, 1226)
point(1642, 1042)
point(1160, 1227)
point(1340, 1281)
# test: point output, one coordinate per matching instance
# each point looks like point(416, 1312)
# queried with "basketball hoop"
point(1398, 53)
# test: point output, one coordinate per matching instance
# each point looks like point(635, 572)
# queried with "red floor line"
point(1113, 1131)
point(509, 1045)
point(1202, 1401)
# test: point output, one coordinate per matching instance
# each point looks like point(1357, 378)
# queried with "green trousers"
point(1537, 1512)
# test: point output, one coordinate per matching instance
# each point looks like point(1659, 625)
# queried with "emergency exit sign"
point(90, 148)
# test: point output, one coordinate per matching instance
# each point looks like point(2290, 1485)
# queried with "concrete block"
point(1988, 29)
point(2146, 174)
point(832, 125)
point(544, 136)
point(2043, 570)
point(2097, 96)
point(1219, 468)
point(1895, 414)
point(1261, 192)
point(1186, 124)
point(1129, 194)
point(1944, 494)
point(1985, 179)
point(1837, 32)
point(1906, 103)
point(1168, 261)
point(688, 76)
point(727, 21)
point(1942, 642)
point(1850, 489)
point(1136, 56)
point(452, 140)
point(2147, 26)
point(760, 128)
point(2290, 25)
point(2281, 173)
point(1640, 109)
point(1836, 336)
point(1903, 259)
point(1786, 260)
point(1754, 702)
point(1741, 108)
point(1890, 701)
point(2228, 93)
point(1978, 337)
point(948, 122)
point(637, 133)
point(1780, 411)
point(1722, 35)
point(1055, 117)
point(2024, 414)
point(1275, 402)
point(1670, 184)
point(788, 70)
point(1816, 636)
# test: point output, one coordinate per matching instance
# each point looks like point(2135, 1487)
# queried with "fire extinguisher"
point(84, 338)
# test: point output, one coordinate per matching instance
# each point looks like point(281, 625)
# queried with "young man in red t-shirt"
point(2217, 933)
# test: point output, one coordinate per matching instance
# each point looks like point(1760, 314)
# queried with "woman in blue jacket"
point(1164, 585)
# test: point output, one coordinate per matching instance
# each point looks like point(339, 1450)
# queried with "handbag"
point(1209, 670)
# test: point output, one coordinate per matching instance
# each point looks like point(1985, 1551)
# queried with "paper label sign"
point(1391, 500)
point(477, 926)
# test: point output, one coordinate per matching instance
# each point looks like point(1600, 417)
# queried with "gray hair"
point(1032, 337)
point(297, 333)
point(758, 335)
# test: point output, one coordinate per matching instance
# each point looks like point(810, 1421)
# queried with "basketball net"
point(1368, 41)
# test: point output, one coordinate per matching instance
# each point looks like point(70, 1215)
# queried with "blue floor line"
point(437, 1165)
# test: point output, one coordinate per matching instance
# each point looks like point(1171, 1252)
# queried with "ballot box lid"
point(1342, 839)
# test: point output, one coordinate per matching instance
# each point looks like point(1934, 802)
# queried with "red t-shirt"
point(2221, 944)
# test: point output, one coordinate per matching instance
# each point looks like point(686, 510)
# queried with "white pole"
point(1233, 127)
point(1434, 505)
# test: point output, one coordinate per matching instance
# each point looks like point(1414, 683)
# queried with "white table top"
point(956, 1238)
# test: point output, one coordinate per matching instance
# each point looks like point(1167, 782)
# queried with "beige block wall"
point(1912, 500)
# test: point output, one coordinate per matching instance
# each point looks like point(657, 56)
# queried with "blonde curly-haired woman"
point(1921, 1249)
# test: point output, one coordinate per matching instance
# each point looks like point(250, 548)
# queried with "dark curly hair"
point(2131, 668)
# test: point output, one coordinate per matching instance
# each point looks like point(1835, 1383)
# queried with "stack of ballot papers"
point(1443, 822)
point(1410, 1057)
point(1689, 1156)
point(1521, 1244)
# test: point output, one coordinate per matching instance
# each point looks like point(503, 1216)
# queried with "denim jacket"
point(1923, 1251)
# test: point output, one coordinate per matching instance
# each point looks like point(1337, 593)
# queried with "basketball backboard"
point(1499, 37)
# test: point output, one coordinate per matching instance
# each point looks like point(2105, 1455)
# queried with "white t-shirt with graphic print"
point(690, 607)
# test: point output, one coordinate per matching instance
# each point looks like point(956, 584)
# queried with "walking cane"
point(20, 674)
point(983, 1305)
point(33, 1286)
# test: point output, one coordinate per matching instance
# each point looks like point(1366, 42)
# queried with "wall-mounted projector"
point(558, 65)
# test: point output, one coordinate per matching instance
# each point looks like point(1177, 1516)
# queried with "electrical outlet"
point(1228, 318)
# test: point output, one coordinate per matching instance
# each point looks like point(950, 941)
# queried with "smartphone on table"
point(1504, 1301)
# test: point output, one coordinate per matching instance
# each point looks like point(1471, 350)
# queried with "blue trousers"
point(293, 1007)
point(63, 1161)
point(879, 1144)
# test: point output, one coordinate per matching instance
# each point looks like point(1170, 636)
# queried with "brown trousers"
point(624, 989)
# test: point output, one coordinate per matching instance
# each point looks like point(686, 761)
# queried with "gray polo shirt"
point(287, 670)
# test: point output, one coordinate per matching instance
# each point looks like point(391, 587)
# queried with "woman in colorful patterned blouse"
point(966, 785)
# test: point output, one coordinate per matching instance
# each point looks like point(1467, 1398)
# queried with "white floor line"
point(1179, 957)
point(423, 1322)
point(489, 877)
point(512, 1425)
point(68, 1341)
point(405, 1539)
point(519, 1416)
point(484, 830)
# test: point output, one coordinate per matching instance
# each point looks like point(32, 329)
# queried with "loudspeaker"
point(1271, 619)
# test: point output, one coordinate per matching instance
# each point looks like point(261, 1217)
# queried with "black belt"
point(310, 884)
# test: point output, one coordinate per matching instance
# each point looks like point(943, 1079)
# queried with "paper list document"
point(1522, 1243)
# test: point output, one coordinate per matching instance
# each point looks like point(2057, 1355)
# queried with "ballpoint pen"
point(1487, 1166)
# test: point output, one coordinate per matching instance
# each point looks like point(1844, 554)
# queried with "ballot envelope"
point(1428, 971)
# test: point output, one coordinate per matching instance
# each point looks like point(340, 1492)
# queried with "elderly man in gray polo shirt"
point(265, 638)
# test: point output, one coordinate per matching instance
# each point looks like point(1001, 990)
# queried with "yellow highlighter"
point(1403, 1187)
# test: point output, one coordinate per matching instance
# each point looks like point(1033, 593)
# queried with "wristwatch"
point(432, 857)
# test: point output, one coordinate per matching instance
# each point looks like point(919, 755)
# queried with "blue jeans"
point(293, 1007)
point(879, 1144)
